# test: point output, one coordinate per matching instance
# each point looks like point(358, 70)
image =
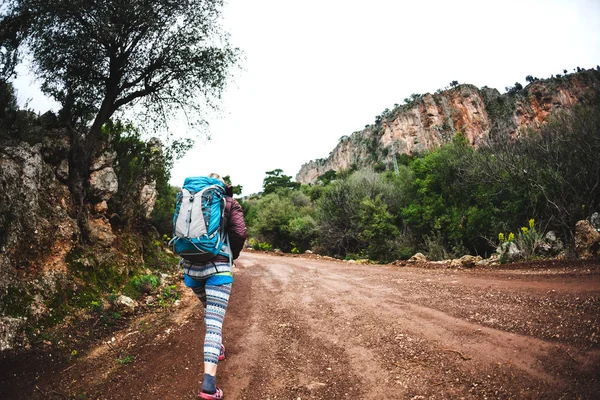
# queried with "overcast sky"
point(316, 70)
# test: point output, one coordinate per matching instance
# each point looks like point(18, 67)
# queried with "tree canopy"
point(95, 57)
point(276, 179)
point(159, 59)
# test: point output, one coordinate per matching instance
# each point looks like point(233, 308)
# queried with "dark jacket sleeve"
point(236, 227)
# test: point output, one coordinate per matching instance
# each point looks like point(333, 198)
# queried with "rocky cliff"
point(430, 120)
point(41, 266)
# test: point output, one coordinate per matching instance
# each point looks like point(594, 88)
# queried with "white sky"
point(316, 70)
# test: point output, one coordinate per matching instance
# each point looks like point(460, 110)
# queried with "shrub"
point(526, 244)
point(263, 246)
point(139, 285)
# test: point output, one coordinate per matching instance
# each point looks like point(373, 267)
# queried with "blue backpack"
point(198, 224)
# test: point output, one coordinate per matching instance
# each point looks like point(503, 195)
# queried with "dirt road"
point(300, 328)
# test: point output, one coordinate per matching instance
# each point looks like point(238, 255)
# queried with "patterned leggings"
point(214, 299)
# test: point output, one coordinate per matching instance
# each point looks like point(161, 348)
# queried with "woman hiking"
point(211, 282)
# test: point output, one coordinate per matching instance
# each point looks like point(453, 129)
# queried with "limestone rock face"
point(103, 179)
point(105, 160)
point(148, 195)
point(32, 205)
point(433, 119)
point(104, 183)
point(101, 232)
point(36, 232)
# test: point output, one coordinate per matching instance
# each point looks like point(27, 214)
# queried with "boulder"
point(419, 257)
point(595, 221)
point(455, 263)
point(469, 261)
point(513, 252)
point(104, 160)
point(104, 183)
point(466, 261)
point(551, 245)
point(587, 240)
point(30, 204)
point(126, 303)
point(56, 145)
point(508, 252)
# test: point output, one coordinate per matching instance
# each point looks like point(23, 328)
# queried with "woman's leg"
point(217, 298)
point(200, 293)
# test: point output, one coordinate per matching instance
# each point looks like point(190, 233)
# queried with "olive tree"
point(156, 58)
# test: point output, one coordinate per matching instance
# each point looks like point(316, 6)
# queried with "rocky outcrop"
point(34, 206)
point(103, 179)
point(148, 195)
point(104, 183)
point(36, 232)
point(430, 120)
point(41, 260)
point(587, 240)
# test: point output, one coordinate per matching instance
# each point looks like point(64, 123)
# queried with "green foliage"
point(140, 164)
point(100, 272)
point(302, 232)
point(314, 192)
point(343, 217)
point(278, 219)
point(379, 166)
point(125, 359)
point(15, 302)
point(15, 124)
point(327, 177)
point(168, 296)
point(436, 247)
point(94, 71)
point(276, 180)
point(378, 229)
point(548, 174)
point(237, 189)
point(442, 207)
point(500, 110)
point(530, 79)
point(162, 214)
point(527, 242)
point(141, 284)
point(263, 246)
point(154, 254)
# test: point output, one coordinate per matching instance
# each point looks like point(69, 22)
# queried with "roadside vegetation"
point(445, 203)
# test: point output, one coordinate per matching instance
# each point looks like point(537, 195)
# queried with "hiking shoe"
point(222, 353)
point(218, 395)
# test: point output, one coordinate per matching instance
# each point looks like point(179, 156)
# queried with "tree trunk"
point(83, 150)
point(79, 161)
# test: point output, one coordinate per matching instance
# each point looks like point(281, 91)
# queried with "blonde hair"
point(216, 176)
